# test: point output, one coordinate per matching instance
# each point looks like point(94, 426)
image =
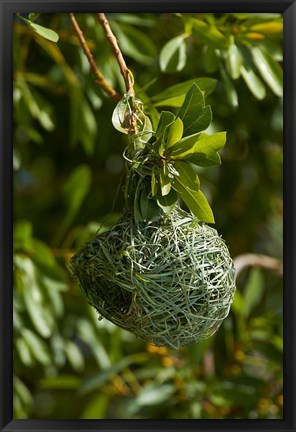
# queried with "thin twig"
point(255, 260)
point(97, 73)
point(125, 72)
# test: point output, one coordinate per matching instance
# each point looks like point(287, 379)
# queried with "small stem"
point(97, 73)
point(125, 72)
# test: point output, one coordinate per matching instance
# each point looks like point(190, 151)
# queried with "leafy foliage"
point(66, 147)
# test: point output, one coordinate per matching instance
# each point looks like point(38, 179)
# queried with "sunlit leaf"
point(23, 392)
point(234, 61)
point(24, 352)
point(90, 337)
point(187, 176)
point(195, 201)
point(269, 69)
point(184, 147)
point(165, 181)
point(195, 116)
point(119, 116)
point(175, 132)
point(174, 96)
point(172, 57)
point(74, 355)
point(209, 34)
point(40, 316)
point(254, 84)
point(155, 394)
point(43, 31)
point(37, 346)
point(269, 27)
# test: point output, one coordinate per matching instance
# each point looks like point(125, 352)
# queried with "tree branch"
point(125, 72)
point(95, 70)
point(254, 260)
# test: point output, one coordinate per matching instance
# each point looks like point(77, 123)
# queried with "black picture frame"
point(7, 9)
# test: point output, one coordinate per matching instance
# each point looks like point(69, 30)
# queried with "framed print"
point(147, 216)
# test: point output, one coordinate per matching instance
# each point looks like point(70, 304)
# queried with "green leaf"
point(76, 188)
point(209, 144)
point(155, 394)
point(74, 355)
point(37, 347)
point(120, 115)
point(166, 119)
point(165, 181)
point(133, 19)
point(211, 59)
point(174, 96)
point(83, 122)
point(98, 405)
point(60, 382)
point(43, 31)
point(22, 390)
point(167, 202)
point(154, 182)
point(175, 132)
point(187, 175)
point(172, 56)
point(209, 34)
point(269, 27)
point(137, 208)
point(22, 235)
point(234, 61)
point(198, 143)
point(195, 201)
point(24, 352)
point(254, 291)
point(34, 16)
point(184, 147)
point(135, 43)
point(269, 69)
point(194, 101)
point(230, 91)
point(88, 334)
point(150, 211)
point(37, 308)
point(203, 160)
point(195, 116)
point(254, 84)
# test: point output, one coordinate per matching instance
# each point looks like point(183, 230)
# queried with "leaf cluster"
point(167, 159)
point(236, 46)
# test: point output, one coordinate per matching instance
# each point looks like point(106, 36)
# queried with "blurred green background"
point(68, 175)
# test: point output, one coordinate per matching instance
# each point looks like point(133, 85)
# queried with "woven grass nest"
point(170, 282)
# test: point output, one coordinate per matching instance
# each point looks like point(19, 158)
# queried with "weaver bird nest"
point(170, 282)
